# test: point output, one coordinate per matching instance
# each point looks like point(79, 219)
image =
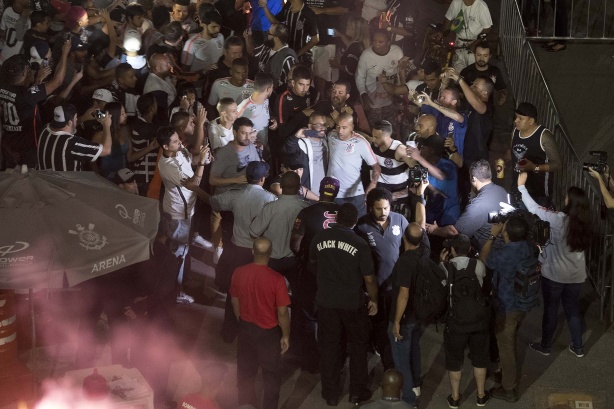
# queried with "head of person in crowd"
point(183, 123)
point(233, 49)
point(238, 72)
point(480, 174)
point(126, 180)
point(227, 108)
point(432, 74)
point(76, 19)
point(526, 117)
point(118, 118)
point(262, 250)
point(482, 55)
point(413, 236)
point(210, 21)
point(345, 126)
point(186, 90)
point(180, 10)
point(100, 98)
point(159, 65)
point(426, 126)
point(460, 245)
point(242, 130)
point(290, 183)
point(449, 98)
point(317, 122)
point(40, 21)
point(98, 52)
point(347, 215)
point(432, 148)
point(380, 42)
point(516, 229)
point(147, 6)
point(277, 36)
point(392, 384)
point(40, 55)
point(329, 188)
point(147, 106)
point(135, 15)
point(292, 165)
point(16, 71)
point(160, 17)
point(483, 87)
point(169, 140)
point(577, 207)
point(132, 43)
point(78, 50)
point(256, 172)
point(357, 30)
point(301, 80)
point(172, 33)
point(382, 134)
point(378, 204)
point(125, 76)
point(340, 93)
point(263, 84)
point(64, 119)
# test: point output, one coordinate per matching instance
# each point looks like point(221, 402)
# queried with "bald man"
point(426, 126)
point(260, 301)
point(161, 83)
point(392, 384)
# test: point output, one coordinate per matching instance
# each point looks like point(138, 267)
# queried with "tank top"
point(538, 184)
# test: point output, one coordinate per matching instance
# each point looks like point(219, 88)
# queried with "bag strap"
point(185, 202)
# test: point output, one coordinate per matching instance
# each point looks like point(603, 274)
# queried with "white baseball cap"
point(103, 95)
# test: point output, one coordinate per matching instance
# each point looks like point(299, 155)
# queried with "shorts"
point(455, 344)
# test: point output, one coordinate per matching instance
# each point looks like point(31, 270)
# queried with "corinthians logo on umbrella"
point(88, 238)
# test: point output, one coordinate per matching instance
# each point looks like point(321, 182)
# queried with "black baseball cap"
point(256, 170)
point(527, 109)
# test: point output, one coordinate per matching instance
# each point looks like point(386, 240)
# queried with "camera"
point(420, 99)
point(98, 114)
point(417, 174)
point(539, 230)
point(602, 161)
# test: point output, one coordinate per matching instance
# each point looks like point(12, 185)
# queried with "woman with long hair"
point(563, 264)
point(355, 40)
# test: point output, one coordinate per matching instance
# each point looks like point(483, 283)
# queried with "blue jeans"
point(568, 295)
point(402, 356)
point(358, 201)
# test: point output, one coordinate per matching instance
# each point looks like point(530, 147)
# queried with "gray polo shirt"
point(276, 222)
point(230, 163)
point(245, 203)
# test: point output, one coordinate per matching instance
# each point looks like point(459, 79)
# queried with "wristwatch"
point(199, 164)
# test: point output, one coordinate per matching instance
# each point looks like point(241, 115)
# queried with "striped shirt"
point(265, 54)
point(303, 25)
point(62, 151)
point(143, 133)
point(394, 173)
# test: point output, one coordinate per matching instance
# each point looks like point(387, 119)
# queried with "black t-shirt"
point(404, 14)
point(32, 37)
point(349, 60)
point(312, 220)
point(303, 25)
point(343, 259)
point(479, 128)
point(22, 122)
point(470, 73)
point(325, 21)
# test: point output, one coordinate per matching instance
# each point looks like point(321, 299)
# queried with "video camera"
point(602, 162)
point(539, 230)
point(418, 174)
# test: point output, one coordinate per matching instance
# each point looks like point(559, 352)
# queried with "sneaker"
point(202, 243)
point(217, 253)
point(453, 403)
point(537, 347)
point(183, 298)
point(579, 352)
point(484, 399)
point(501, 393)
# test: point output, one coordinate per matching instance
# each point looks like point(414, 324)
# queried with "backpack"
point(430, 296)
point(526, 286)
point(469, 309)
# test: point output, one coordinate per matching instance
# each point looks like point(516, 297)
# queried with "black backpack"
point(430, 296)
point(468, 309)
point(526, 286)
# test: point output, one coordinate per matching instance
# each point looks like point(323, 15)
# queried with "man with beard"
point(160, 83)
point(274, 55)
point(203, 50)
point(60, 149)
point(256, 108)
point(125, 81)
point(19, 98)
point(236, 86)
point(335, 106)
point(482, 68)
point(377, 65)
point(233, 49)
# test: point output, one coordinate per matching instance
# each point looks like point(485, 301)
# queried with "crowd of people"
point(312, 150)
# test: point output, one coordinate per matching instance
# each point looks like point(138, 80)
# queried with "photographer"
point(563, 264)
point(603, 186)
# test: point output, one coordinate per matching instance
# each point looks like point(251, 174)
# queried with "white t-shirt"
point(412, 85)
point(373, 8)
point(345, 161)
point(370, 67)
point(259, 114)
point(222, 88)
point(199, 53)
point(11, 45)
point(172, 171)
point(474, 19)
point(218, 135)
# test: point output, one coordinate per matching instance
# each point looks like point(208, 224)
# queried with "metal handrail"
point(529, 84)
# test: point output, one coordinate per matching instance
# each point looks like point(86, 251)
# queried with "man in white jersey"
point(347, 151)
point(256, 107)
point(202, 50)
point(237, 86)
point(13, 26)
point(220, 129)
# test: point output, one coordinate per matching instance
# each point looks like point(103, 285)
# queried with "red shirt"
point(260, 291)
